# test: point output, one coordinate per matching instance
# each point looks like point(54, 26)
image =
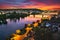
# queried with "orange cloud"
point(50, 7)
point(37, 5)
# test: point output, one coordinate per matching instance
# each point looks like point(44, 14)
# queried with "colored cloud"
point(40, 4)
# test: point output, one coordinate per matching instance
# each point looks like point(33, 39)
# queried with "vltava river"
point(14, 24)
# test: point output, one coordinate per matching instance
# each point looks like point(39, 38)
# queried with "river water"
point(14, 24)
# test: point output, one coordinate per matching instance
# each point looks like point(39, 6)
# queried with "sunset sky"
point(39, 4)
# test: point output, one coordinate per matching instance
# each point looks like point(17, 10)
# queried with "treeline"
point(13, 15)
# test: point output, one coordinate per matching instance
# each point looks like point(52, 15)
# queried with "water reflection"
point(3, 21)
point(14, 24)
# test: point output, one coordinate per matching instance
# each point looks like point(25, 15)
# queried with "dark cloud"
point(56, 1)
point(47, 1)
point(17, 2)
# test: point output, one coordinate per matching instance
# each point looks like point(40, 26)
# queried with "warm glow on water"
point(30, 18)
